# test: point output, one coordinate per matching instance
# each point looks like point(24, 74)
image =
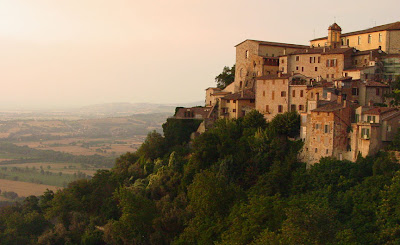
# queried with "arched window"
point(241, 84)
point(247, 54)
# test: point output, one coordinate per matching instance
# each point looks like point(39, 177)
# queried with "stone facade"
point(385, 37)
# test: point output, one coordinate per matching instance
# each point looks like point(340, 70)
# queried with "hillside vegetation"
point(238, 183)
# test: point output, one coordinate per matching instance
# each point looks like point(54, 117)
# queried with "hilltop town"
point(338, 84)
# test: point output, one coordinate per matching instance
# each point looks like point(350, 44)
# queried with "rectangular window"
point(316, 150)
point(297, 68)
point(267, 108)
point(327, 151)
point(294, 93)
point(316, 69)
point(301, 107)
point(359, 40)
point(327, 63)
point(273, 95)
point(380, 37)
point(283, 93)
point(302, 68)
point(234, 110)
point(301, 93)
point(297, 58)
point(280, 108)
point(264, 93)
point(365, 133)
point(357, 118)
point(377, 91)
point(354, 91)
point(234, 101)
point(369, 38)
point(326, 128)
point(228, 101)
point(319, 59)
point(292, 107)
point(310, 59)
point(317, 126)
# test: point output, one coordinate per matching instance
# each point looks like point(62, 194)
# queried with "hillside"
point(238, 183)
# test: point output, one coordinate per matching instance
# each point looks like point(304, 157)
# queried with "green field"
point(39, 175)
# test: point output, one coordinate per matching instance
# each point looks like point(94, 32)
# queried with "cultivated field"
point(25, 189)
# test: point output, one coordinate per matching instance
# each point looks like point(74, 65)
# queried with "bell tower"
point(334, 32)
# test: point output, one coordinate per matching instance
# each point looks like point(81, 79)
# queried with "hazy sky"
point(79, 52)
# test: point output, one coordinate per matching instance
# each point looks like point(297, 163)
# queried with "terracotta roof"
point(390, 115)
point(375, 84)
point(387, 27)
point(356, 68)
point(275, 77)
point(335, 27)
point(247, 95)
point(344, 79)
point(321, 51)
point(197, 111)
point(332, 106)
point(379, 110)
point(375, 52)
point(286, 45)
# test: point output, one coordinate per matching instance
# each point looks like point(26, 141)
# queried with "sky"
point(71, 53)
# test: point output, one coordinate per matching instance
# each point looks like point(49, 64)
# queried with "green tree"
point(226, 77)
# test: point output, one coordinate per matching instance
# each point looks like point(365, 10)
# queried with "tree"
point(395, 94)
point(226, 77)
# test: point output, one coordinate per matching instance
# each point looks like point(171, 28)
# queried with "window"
point(301, 107)
point(326, 128)
point(389, 128)
point(377, 91)
point(302, 68)
point(369, 38)
point(355, 62)
point(273, 95)
point(312, 95)
point(333, 76)
point(280, 108)
point(365, 133)
point(327, 152)
point(267, 108)
point(310, 59)
point(359, 40)
point(319, 59)
point(283, 93)
point(234, 101)
point(371, 119)
point(263, 93)
point(294, 93)
point(348, 42)
point(228, 101)
point(354, 91)
point(316, 150)
point(297, 68)
point(252, 101)
point(247, 54)
point(234, 110)
point(297, 58)
point(282, 61)
point(357, 118)
point(241, 84)
point(345, 74)
point(292, 107)
point(301, 93)
point(316, 68)
point(380, 37)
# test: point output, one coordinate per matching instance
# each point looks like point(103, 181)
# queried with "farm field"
point(25, 189)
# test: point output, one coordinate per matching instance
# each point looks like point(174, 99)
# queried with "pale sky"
point(57, 53)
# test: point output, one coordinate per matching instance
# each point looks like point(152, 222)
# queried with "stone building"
point(374, 128)
point(391, 67)
point(258, 58)
point(236, 105)
point(318, 63)
point(277, 94)
point(384, 37)
point(327, 131)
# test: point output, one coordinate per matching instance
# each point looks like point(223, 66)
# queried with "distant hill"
point(124, 109)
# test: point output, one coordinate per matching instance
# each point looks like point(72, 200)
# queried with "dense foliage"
point(226, 77)
point(238, 183)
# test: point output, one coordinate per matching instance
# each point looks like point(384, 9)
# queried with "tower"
point(334, 32)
